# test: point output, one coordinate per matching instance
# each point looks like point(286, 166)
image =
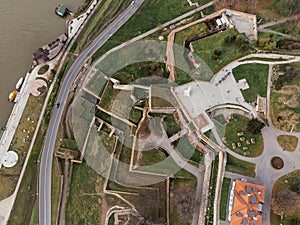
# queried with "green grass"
point(224, 198)
point(152, 157)
point(43, 69)
point(135, 72)
point(182, 77)
point(152, 13)
point(97, 84)
point(189, 152)
point(212, 191)
point(35, 215)
point(108, 142)
point(239, 124)
point(162, 97)
point(204, 48)
point(83, 206)
point(103, 15)
point(263, 59)
point(10, 176)
point(24, 203)
point(86, 199)
point(108, 96)
point(190, 32)
point(257, 79)
point(288, 27)
point(171, 125)
point(69, 143)
point(135, 115)
point(238, 166)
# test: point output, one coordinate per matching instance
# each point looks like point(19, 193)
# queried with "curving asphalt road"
point(48, 148)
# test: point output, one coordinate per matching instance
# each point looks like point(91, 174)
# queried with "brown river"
point(25, 26)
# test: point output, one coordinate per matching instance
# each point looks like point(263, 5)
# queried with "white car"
point(132, 3)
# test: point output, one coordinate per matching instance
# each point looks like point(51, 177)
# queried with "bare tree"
point(283, 203)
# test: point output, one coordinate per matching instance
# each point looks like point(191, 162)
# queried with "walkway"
point(265, 173)
point(279, 21)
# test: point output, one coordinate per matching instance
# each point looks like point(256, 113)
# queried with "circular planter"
point(277, 163)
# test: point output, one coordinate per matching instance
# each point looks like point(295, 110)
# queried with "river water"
point(25, 26)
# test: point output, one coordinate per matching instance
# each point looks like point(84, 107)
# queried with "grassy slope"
point(224, 197)
point(205, 48)
point(238, 166)
point(257, 79)
point(152, 13)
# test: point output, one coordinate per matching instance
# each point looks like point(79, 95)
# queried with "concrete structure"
point(261, 105)
point(10, 159)
point(50, 51)
point(247, 203)
point(38, 87)
point(243, 85)
point(61, 10)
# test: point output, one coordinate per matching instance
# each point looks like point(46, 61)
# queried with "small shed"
point(61, 10)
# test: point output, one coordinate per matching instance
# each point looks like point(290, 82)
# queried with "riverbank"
point(6, 204)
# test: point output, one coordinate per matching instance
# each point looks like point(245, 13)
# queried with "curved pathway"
point(48, 148)
point(265, 173)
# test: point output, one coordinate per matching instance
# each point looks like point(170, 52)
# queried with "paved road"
point(282, 20)
point(48, 149)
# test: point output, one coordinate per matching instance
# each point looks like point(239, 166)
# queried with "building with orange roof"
point(248, 200)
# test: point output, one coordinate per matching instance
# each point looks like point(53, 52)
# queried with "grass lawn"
point(69, 143)
point(238, 166)
point(263, 59)
point(182, 77)
point(43, 69)
point(224, 198)
point(152, 157)
point(162, 97)
point(87, 204)
point(257, 79)
point(288, 27)
point(190, 32)
point(25, 203)
point(152, 13)
point(171, 125)
point(236, 125)
point(10, 176)
point(103, 15)
point(212, 191)
point(188, 151)
point(135, 72)
point(205, 48)
point(83, 201)
point(135, 115)
point(287, 182)
point(287, 142)
point(97, 84)
point(108, 96)
point(108, 142)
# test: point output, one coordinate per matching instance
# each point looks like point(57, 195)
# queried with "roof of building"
point(61, 10)
point(261, 104)
point(247, 203)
